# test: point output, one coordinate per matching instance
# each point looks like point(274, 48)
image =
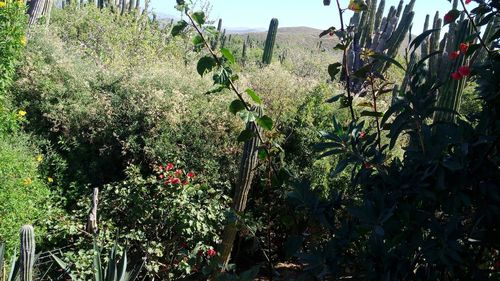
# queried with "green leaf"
point(227, 54)
point(262, 153)
point(385, 58)
point(199, 17)
point(334, 69)
point(265, 122)
point(246, 135)
point(248, 116)
point(371, 113)
point(236, 106)
point(178, 27)
point(205, 64)
point(419, 39)
point(254, 96)
point(363, 71)
point(197, 40)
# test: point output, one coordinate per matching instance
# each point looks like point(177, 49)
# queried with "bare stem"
point(345, 65)
point(374, 95)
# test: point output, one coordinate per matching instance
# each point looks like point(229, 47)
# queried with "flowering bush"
point(169, 218)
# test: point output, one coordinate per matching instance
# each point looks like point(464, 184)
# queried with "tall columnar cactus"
point(27, 255)
point(247, 168)
point(270, 40)
point(216, 40)
point(35, 10)
point(379, 34)
point(244, 53)
point(450, 94)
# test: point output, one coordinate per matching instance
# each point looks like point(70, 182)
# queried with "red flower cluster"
point(211, 252)
point(177, 177)
point(462, 72)
point(463, 48)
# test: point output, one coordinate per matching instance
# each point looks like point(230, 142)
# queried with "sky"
point(291, 13)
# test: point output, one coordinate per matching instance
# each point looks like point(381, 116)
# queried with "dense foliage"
point(203, 162)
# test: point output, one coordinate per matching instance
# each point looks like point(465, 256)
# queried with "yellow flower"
point(39, 158)
point(49, 179)
point(2, 4)
point(21, 113)
point(27, 181)
point(23, 41)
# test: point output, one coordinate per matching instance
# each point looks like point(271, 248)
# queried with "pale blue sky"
point(312, 13)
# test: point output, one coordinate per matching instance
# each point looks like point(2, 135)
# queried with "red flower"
point(167, 182)
point(178, 172)
point(468, 1)
point(448, 18)
point(211, 252)
point(169, 167)
point(456, 76)
point(185, 182)
point(362, 134)
point(175, 181)
point(463, 48)
point(190, 175)
point(464, 70)
point(454, 55)
point(330, 33)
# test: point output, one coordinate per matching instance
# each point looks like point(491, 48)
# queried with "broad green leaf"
point(197, 40)
point(262, 153)
point(236, 106)
point(254, 96)
point(227, 54)
point(371, 113)
point(357, 6)
point(419, 39)
point(265, 122)
point(179, 27)
point(334, 69)
point(246, 135)
point(199, 17)
point(248, 116)
point(385, 58)
point(205, 64)
point(363, 71)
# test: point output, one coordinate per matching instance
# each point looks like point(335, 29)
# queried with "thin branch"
point(345, 64)
point(475, 27)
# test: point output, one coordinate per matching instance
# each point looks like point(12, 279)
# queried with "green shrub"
point(24, 194)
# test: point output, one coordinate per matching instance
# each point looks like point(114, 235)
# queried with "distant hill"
point(301, 36)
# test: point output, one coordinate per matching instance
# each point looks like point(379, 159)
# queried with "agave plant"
point(115, 270)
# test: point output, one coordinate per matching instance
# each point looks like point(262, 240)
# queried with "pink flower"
point(190, 175)
point(169, 167)
point(464, 70)
point(161, 176)
point(454, 55)
point(362, 134)
point(463, 48)
point(178, 172)
point(456, 76)
point(175, 181)
point(211, 252)
point(185, 182)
